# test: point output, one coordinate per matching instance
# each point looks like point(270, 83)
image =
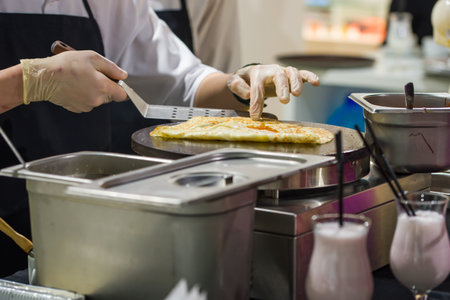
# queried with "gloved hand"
point(75, 80)
point(259, 81)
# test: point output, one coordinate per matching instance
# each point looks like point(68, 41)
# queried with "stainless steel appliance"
point(413, 140)
point(282, 232)
point(112, 256)
point(134, 235)
point(355, 165)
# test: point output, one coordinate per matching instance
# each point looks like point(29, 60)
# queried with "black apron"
point(178, 21)
point(125, 118)
point(42, 129)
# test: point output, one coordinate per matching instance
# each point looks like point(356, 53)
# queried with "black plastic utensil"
point(409, 95)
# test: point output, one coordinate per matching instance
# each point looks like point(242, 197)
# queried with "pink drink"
point(339, 267)
point(420, 251)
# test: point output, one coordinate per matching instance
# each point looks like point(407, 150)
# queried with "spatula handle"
point(58, 47)
point(21, 241)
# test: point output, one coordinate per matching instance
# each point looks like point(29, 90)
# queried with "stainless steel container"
point(10, 290)
point(80, 167)
point(440, 182)
point(413, 140)
point(54, 174)
point(135, 235)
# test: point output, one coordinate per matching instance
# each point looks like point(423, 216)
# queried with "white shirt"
point(160, 67)
point(215, 30)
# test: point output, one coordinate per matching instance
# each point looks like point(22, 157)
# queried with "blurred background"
point(353, 45)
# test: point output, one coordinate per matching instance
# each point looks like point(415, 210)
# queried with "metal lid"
point(197, 184)
point(80, 167)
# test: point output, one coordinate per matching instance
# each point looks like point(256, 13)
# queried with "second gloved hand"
point(75, 80)
point(255, 82)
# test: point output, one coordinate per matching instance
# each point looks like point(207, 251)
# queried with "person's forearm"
point(11, 88)
point(214, 93)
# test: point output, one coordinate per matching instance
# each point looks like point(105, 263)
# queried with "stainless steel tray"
point(199, 178)
point(388, 103)
point(80, 167)
point(17, 291)
point(413, 140)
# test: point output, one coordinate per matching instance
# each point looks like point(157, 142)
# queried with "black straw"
point(388, 166)
point(379, 160)
point(338, 139)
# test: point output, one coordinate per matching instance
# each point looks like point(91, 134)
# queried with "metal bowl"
point(413, 140)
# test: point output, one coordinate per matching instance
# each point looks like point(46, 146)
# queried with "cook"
point(117, 33)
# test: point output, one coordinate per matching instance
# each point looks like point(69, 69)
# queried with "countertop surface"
point(386, 287)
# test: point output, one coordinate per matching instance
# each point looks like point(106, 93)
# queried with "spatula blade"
point(168, 112)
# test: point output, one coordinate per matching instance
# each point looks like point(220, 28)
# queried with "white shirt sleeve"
point(160, 67)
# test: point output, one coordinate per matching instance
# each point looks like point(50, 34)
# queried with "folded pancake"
point(243, 129)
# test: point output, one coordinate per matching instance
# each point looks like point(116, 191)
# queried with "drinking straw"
point(388, 166)
point(338, 139)
point(408, 209)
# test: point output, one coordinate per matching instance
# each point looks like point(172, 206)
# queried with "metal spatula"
point(168, 112)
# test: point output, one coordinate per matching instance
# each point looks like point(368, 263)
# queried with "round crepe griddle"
point(144, 144)
point(326, 61)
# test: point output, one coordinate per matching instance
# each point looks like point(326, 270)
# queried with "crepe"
point(243, 129)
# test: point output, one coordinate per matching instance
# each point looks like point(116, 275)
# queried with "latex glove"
point(259, 81)
point(75, 80)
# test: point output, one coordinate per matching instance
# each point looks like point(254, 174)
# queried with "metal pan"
point(356, 164)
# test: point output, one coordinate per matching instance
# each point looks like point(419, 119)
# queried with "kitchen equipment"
point(413, 140)
point(10, 290)
point(168, 112)
point(356, 157)
point(134, 235)
point(71, 169)
point(165, 112)
point(283, 238)
point(440, 182)
point(325, 61)
point(79, 167)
